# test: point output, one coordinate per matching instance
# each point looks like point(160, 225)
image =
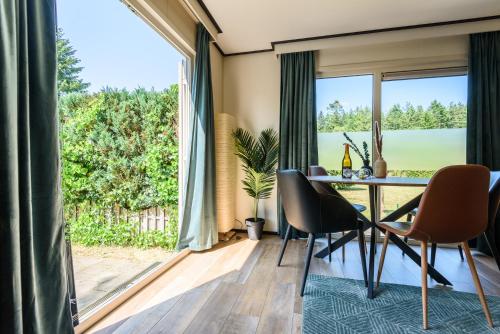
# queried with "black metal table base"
point(368, 224)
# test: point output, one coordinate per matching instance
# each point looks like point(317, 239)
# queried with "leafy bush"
point(401, 173)
point(119, 148)
point(92, 227)
point(412, 173)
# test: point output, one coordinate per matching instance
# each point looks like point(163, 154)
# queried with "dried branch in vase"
point(378, 140)
point(366, 157)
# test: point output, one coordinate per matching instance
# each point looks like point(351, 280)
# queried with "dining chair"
point(315, 213)
point(328, 189)
point(453, 209)
point(493, 215)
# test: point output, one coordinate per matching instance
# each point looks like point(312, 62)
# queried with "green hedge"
point(92, 227)
point(119, 148)
point(402, 173)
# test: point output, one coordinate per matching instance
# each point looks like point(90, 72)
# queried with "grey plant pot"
point(255, 228)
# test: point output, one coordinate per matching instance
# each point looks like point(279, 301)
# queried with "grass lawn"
point(392, 197)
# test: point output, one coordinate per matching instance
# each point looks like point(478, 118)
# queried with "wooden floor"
point(237, 288)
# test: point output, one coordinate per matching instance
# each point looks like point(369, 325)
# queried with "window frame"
point(405, 69)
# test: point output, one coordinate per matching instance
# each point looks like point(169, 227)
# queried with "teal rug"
point(337, 305)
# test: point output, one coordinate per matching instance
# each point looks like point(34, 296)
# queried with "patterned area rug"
point(337, 305)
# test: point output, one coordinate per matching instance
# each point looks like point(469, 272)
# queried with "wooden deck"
point(237, 288)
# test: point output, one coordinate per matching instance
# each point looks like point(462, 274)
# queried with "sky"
point(357, 91)
point(117, 48)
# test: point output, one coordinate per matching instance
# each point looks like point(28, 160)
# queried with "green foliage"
point(400, 173)
point(412, 173)
point(119, 148)
point(94, 228)
point(68, 71)
point(436, 116)
point(259, 158)
point(365, 156)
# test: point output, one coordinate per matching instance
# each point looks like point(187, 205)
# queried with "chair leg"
point(284, 242)
point(310, 248)
point(343, 250)
point(489, 235)
point(361, 243)
point(477, 283)
point(423, 246)
point(382, 257)
point(408, 219)
point(405, 239)
point(433, 253)
point(329, 247)
point(460, 251)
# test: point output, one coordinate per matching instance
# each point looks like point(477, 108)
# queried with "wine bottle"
point(347, 164)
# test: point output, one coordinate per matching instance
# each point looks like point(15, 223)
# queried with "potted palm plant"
point(258, 159)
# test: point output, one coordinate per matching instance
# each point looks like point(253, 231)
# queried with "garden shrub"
point(119, 148)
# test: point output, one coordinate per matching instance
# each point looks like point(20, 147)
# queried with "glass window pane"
point(344, 104)
point(424, 129)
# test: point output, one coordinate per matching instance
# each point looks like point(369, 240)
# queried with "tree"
point(440, 114)
point(68, 71)
point(436, 116)
point(394, 118)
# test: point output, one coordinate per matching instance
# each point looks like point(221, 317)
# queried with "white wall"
point(251, 87)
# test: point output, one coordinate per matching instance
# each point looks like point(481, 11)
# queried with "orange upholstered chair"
point(453, 209)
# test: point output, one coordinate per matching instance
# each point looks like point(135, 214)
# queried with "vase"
point(365, 172)
point(380, 168)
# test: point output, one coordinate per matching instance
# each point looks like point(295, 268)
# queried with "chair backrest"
point(321, 187)
point(300, 201)
point(317, 171)
point(454, 206)
point(494, 198)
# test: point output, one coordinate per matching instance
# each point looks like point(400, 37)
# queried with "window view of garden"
point(423, 124)
point(119, 146)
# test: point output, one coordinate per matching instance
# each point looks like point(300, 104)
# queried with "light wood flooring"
point(237, 288)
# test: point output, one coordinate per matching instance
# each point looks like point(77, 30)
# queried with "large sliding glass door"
point(123, 120)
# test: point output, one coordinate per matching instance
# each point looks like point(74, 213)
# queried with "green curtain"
point(298, 133)
point(199, 227)
point(33, 279)
point(483, 108)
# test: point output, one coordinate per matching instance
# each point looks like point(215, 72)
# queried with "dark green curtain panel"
point(199, 227)
point(33, 280)
point(298, 132)
point(483, 108)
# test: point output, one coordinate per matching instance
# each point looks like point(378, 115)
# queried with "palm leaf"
point(259, 158)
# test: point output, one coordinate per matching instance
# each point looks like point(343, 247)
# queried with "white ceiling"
point(253, 25)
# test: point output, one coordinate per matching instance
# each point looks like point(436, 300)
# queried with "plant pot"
point(254, 228)
point(380, 168)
